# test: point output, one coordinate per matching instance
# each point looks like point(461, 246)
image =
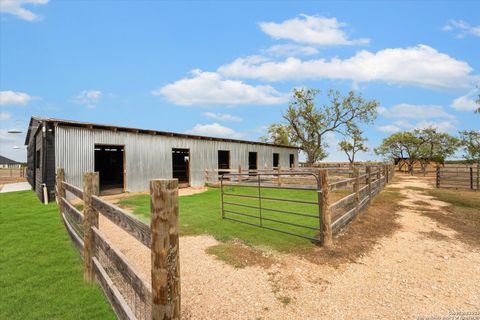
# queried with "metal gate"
point(289, 202)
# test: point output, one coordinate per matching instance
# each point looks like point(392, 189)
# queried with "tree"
point(278, 134)
point(401, 145)
point(421, 145)
point(478, 102)
point(470, 141)
point(308, 124)
point(436, 146)
point(353, 146)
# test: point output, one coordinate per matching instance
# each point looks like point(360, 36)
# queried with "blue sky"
point(227, 68)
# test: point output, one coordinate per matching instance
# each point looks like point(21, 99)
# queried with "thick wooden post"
point(90, 187)
point(325, 206)
point(60, 190)
point(386, 173)
point(478, 176)
point(437, 177)
point(165, 249)
point(356, 188)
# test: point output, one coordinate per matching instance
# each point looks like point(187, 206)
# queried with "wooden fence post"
point(369, 182)
point(279, 180)
point(325, 207)
point(239, 173)
point(471, 178)
point(60, 190)
point(356, 188)
point(90, 187)
point(165, 249)
point(478, 176)
point(437, 177)
point(386, 173)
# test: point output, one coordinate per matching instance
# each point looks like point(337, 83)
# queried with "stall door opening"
point(180, 165)
point(292, 160)
point(223, 162)
point(252, 161)
point(276, 157)
point(109, 162)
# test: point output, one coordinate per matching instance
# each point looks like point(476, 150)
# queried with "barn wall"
point(150, 156)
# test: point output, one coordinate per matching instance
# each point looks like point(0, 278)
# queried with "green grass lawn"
point(40, 270)
point(201, 214)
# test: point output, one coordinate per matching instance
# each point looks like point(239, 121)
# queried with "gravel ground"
point(405, 276)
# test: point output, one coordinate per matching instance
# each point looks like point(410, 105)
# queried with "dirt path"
point(407, 275)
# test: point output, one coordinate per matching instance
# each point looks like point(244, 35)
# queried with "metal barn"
point(127, 158)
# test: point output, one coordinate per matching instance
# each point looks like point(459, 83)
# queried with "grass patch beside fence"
point(201, 214)
point(41, 273)
point(462, 216)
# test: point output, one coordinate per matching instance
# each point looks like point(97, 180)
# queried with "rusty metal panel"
point(149, 156)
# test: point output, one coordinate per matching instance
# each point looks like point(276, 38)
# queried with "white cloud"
point(439, 125)
point(390, 128)
point(290, 50)
point(15, 7)
point(14, 98)
point(419, 66)
point(209, 88)
point(462, 28)
point(222, 116)
point(466, 102)
point(88, 98)
point(214, 130)
point(314, 30)
point(417, 111)
point(5, 116)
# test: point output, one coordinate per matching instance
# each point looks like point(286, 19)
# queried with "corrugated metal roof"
point(143, 131)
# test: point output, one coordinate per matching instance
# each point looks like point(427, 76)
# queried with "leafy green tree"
point(436, 146)
point(308, 121)
point(470, 141)
point(401, 145)
point(278, 134)
point(355, 144)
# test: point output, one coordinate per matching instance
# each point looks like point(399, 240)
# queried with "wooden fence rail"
point(130, 296)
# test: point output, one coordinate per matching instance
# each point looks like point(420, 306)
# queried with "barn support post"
point(60, 190)
point(90, 187)
point(165, 249)
point(325, 209)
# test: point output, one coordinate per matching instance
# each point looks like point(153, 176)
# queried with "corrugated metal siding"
point(149, 156)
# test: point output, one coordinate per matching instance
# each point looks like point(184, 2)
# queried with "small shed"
point(127, 158)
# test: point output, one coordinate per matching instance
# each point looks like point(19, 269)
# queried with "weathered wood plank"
point(73, 235)
point(73, 212)
point(341, 184)
point(77, 192)
point(123, 266)
point(120, 306)
point(121, 218)
point(342, 203)
point(343, 220)
point(165, 257)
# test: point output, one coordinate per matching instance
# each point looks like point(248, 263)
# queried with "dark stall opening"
point(252, 161)
point(276, 158)
point(180, 166)
point(292, 160)
point(223, 161)
point(109, 162)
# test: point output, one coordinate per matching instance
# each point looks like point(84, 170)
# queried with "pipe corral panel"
point(150, 156)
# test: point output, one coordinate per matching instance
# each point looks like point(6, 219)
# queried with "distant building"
point(8, 163)
point(127, 158)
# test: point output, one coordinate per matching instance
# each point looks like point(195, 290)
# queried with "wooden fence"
point(13, 172)
point(458, 177)
point(130, 296)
